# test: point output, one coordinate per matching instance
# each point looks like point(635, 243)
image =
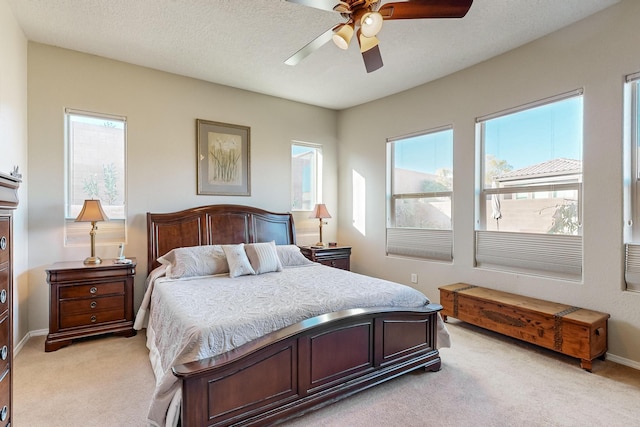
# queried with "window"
point(528, 212)
point(95, 169)
point(632, 182)
point(306, 176)
point(420, 190)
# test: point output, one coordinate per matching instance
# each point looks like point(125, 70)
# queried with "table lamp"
point(320, 211)
point(92, 212)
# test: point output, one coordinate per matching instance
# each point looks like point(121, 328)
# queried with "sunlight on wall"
point(359, 202)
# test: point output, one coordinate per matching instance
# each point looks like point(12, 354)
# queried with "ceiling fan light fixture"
point(343, 36)
point(371, 24)
point(366, 43)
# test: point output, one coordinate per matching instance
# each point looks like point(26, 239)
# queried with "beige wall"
point(595, 54)
point(161, 108)
point(161, 111)
point(13, 150)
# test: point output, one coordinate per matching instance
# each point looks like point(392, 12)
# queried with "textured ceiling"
point(244, 43)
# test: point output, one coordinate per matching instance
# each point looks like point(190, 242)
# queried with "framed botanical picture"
point(223, 159)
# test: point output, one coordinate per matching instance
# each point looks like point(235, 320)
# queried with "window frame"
point(631, 182)
point(113, 231)
point(317, 178)
point(417, 242)
point(549, 255)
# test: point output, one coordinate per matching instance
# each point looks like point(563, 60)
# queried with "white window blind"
point(420, 243)
point(632, 267)
point(530, 253)
point(77, 233)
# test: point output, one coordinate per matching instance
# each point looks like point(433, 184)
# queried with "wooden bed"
point(301, 367)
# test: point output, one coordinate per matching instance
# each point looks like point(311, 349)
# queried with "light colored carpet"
point(92, 383)
point(486, 380)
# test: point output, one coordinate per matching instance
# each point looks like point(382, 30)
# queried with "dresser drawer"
point(83, 291)
point(5, 397)
point(4, 240)
point(5, 348)
point(90, 305)
point(4, 288)
point(74, 320)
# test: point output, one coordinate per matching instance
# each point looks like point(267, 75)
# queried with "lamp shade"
point(343, 36)
point(371, 24)
point(320, 211)
point(91, 212)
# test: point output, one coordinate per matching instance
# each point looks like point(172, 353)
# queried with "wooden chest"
point(573, 331)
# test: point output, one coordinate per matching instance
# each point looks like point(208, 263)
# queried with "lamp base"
point(92, 260)
point(320, 244)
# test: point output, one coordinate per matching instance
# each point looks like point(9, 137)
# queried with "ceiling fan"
point(365, 18)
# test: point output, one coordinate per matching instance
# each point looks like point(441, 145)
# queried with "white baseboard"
point(623, 361)
point(23, 341)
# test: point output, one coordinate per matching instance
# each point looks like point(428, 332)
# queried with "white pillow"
point(194, 261)
point(263, 257)
point(290, 256)
point(239, 264)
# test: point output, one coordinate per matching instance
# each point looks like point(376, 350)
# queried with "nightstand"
point(333, 256)
point(89, 299)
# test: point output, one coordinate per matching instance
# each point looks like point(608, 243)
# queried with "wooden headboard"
point(213, 225)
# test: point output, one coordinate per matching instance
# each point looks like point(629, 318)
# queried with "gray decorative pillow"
point(290, 256)
point(239, 264)
point(194, 261)
point(263, 257)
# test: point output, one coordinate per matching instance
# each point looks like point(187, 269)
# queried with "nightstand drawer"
point(83, 291)
point(332, 256)
point(342, 263)
point(91, 319)
point(90, 305)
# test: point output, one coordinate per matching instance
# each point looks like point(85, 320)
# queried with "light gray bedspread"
point(196, 318)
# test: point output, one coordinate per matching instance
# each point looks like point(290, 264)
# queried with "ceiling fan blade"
point(329, 5)
point(370, 52)
point(372, 59)
point(311, 47)
point(421, 9)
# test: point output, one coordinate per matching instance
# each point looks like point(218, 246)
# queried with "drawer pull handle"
point(94, 304)
point(3, 296)
point(3, 243)
point(4, 352)
point(93, 290)
point(93, 319)
point(3, 413)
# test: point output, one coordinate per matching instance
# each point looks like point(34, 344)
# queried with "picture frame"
point(223, 158)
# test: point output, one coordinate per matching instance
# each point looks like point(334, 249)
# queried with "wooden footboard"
point(307, 366)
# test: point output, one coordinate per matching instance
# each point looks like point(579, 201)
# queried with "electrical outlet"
point(414, 278)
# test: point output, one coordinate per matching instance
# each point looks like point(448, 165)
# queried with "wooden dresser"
point(8, 202)
point(333, 256)
point(89, 299)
